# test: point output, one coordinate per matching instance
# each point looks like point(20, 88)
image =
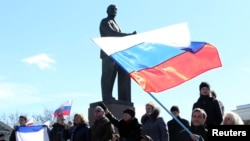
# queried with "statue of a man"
point(109, 28)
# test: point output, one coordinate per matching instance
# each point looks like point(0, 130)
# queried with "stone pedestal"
point(116, 107)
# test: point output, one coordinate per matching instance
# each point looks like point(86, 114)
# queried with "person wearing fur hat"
point(129, 128)
point(153, 125)
point(209, 104)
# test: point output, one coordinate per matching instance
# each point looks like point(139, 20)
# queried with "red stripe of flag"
point(178, 69)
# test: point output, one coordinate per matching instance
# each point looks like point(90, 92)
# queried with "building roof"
point(4, 128)
point(243, 111)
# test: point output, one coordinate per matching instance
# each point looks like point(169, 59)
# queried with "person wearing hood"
point(80, 131)
point(128, 127)
point(56, 133)
point(209, 104)
point(153, 125)
point(198, 129)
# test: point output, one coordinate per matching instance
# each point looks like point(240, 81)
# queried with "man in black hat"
point(128, 127)
point(109, 28)
point(209, 104)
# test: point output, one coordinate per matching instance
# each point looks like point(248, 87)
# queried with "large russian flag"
point(64, 109)
point(32, 133)
point(162, 58)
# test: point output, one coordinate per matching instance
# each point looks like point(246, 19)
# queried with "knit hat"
point(130, 111)
point(204, 84)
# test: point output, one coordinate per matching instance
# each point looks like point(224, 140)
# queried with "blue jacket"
point(77, 133)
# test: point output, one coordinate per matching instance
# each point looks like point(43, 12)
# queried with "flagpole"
point(176, 119)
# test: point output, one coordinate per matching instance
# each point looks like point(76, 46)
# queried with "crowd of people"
point(151, 127)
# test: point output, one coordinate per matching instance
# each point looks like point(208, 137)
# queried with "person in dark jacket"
point(209, 104)
point(56, 133)
point(173, 126)
point(102, 129)
point(198, 130)
point(80, 131)
point(129, 128)
point(222, 107)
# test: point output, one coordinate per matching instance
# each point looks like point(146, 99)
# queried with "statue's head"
point(112, 10)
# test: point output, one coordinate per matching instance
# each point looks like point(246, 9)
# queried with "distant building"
point(5, 129)
point(244, 113)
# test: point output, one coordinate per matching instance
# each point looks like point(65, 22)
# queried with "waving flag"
point(30, 122)
point(162, 58)
point(32, 133)
point(47, 123)
point(64, 109)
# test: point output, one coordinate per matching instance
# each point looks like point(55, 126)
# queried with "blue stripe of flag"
point(26, 129)
point(148, 55)
point(194, 47)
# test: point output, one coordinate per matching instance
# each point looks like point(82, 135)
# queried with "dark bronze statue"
point(109, 28)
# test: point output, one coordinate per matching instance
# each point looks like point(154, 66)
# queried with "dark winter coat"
point(198, 130)
point(128, 130)
point(102, 130)
point(174, 127)
point(78, 133)
point(154, 126)
point(211, 107)
point(56, 133)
